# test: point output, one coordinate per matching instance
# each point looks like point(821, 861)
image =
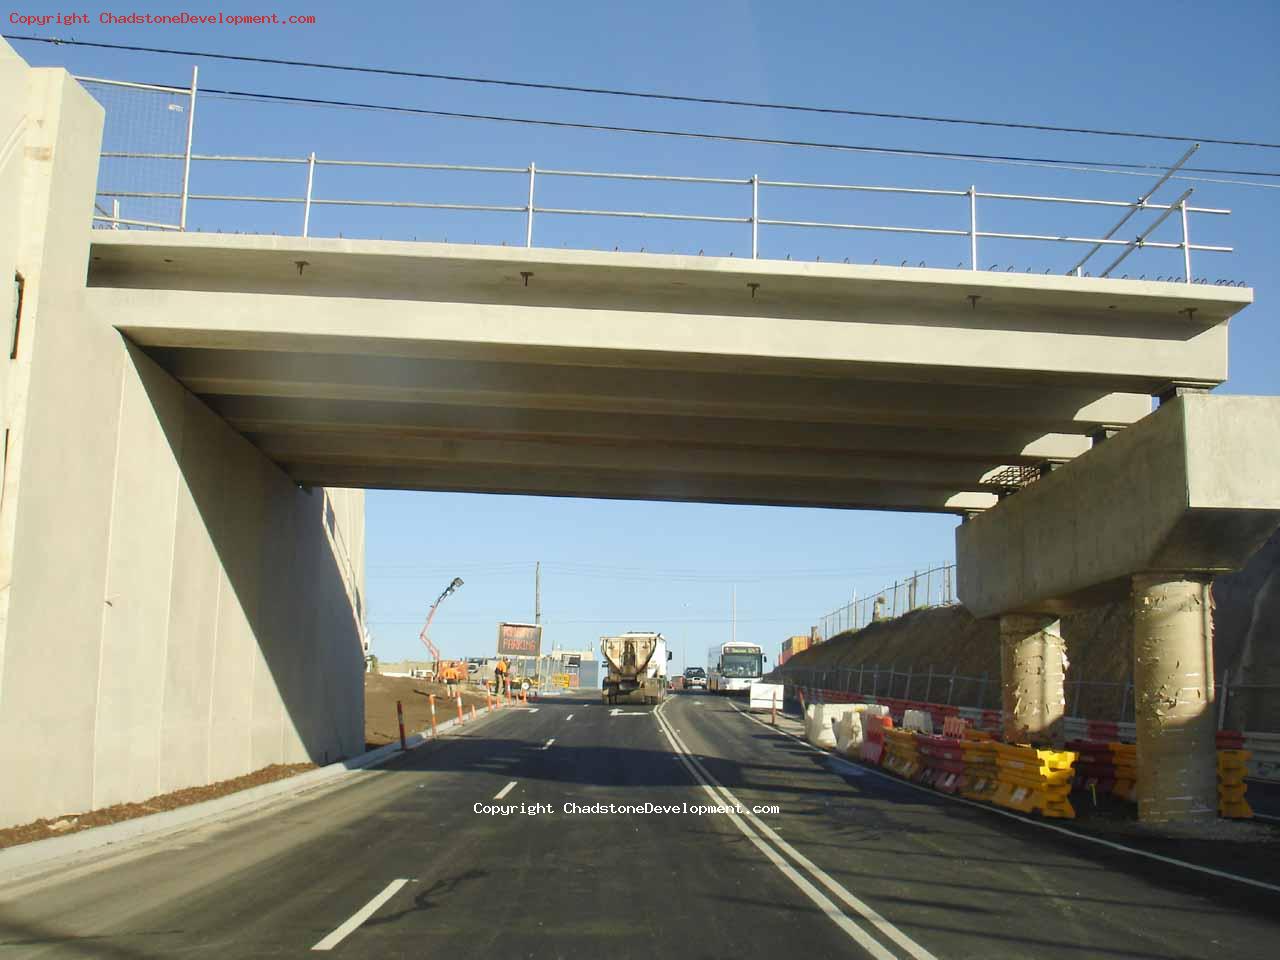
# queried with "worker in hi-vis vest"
point(499, 676)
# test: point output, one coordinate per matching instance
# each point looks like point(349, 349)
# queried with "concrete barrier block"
point(817, 724)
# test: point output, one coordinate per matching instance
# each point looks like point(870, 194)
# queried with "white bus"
point(732, 667)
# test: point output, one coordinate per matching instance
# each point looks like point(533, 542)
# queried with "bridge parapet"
point(160, 182)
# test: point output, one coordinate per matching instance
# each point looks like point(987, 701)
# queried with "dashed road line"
point(360, 916)
point(548, 744)
point(504, 791)
point(569, 717)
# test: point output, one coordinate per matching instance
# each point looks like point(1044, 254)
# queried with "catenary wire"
point(723, 137)
point(661, 96)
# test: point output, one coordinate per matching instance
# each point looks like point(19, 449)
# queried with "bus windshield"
point(740, 665)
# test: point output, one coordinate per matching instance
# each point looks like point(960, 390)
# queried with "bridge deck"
point(495, 369)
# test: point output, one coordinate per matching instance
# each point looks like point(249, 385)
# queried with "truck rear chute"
point(628, 657)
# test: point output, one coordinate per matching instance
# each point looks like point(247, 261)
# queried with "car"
point(695, 678)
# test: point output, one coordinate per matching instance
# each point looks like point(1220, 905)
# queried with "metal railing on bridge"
point(758, 194)
point(935, 587)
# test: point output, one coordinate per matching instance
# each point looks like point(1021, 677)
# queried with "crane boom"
point(431, 647)
point(423, 636)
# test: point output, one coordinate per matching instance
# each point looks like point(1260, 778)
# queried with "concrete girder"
point(348, 377)
point(305, 416)
point(643, 485)
point(1139, 348)
point(358, 448)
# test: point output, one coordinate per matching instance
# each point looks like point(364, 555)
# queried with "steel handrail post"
point(186, 162)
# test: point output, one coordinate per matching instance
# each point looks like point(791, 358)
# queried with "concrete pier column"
point(1033, 662)
point(1173, 697)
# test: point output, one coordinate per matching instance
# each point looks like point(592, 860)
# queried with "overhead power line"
point(1099, 165)
point(662, 96)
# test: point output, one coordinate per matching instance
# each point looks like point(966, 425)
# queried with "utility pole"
point(733, 614)
point(537, 592)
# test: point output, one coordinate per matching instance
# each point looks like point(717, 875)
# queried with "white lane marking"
point(568, 718)
point(833, 913)
point(504, 791)
point(360, 916)
point(867, 912)
point(619, 712)
point(1035, 823)
point(547, 744)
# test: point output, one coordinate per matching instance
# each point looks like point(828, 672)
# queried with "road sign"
point(519, 639)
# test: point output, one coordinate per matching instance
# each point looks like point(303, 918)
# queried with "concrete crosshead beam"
point(1192, 488)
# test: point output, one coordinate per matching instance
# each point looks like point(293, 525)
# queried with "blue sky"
point(1186, 68)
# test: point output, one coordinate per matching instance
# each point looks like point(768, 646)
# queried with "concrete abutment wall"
point(173, 609)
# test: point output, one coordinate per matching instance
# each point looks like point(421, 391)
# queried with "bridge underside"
point(444, 367)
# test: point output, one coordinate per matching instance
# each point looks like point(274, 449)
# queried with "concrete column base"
point(1033, 662)
point(1173, 697)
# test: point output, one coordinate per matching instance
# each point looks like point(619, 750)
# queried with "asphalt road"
point(401, 863)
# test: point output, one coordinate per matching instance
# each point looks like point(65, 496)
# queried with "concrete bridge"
point(189, 419)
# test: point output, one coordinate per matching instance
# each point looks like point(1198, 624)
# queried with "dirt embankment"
point(1099, 648)
point(381, 694)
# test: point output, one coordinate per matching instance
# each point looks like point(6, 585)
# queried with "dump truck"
point(637, 667)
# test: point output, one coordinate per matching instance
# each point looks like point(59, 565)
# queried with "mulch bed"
point(74, 823)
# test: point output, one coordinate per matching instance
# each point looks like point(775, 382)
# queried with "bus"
point(733, 667)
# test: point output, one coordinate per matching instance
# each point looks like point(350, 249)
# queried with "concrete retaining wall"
point(173, 609)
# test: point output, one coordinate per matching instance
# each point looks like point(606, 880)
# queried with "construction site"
point(269, 379)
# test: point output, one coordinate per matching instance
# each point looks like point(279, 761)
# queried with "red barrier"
point(943, 762)
point(873, 729)
point(1230, 740)
point(1105, 730)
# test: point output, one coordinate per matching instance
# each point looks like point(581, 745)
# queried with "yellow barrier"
point(980, 770)
point(1233, 767)
point(901, 754)
point(1125, 758)
point(1029, 779)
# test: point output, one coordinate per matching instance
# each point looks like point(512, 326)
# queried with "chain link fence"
point(934, 587)
point(142, 171)
point(1239, 706)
